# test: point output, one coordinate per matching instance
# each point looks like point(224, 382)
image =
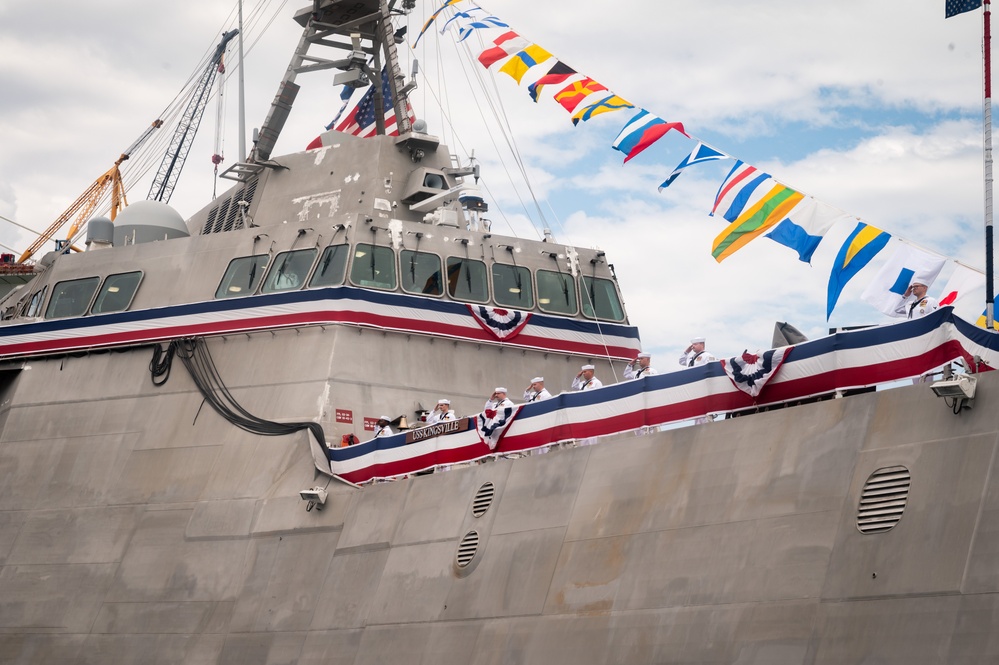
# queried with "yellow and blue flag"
point(862, 245)
point(518, 65)
point(605, 105)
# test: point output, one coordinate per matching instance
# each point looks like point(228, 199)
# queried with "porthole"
point(483, 499)
point(467, 548)
point(883, 499)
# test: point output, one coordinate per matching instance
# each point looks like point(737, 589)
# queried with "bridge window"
point(512, 286)
point(556, 292)
point(289, 270)
point(373, 266)
point(420, 272)
point(116, 293)
point(35, 304)
point(72, 297)
point(242, 277)
point(600, 299)
point(466, 280)
point(332, 266)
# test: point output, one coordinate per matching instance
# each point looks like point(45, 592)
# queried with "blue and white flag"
point(906, 265)
point(700, 154)
point(488, 22)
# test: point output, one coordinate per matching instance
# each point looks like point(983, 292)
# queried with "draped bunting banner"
point(846, 360)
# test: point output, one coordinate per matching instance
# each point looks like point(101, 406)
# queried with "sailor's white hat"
point(384, 418)
point(585, 367)
point(644, 355)
point(697, 340)
point(444, 401)
point(538, 379)
point(500, 390)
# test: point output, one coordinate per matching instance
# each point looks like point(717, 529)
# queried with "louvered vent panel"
point(883, 499)
point(211, 219)
point(467, 548)
point(483, 499)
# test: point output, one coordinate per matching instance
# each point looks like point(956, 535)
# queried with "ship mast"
point(367, 27)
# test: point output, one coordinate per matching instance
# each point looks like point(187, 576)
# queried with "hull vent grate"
point(883, 499)
point(228, 215)
point(467, 548)
point(483, 499)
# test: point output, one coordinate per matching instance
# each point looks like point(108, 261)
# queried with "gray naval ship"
point(173, 401)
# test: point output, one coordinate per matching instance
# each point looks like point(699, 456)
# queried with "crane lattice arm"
point(84, 205)
point(180, 144)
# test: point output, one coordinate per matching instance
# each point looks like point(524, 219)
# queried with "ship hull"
point(137, 526)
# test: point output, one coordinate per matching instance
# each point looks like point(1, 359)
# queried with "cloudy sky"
point(874, 108)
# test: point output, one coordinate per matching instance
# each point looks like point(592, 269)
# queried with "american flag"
point(361, 120)
point(955, 7)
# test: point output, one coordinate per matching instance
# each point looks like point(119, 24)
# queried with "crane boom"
point(84, 205)
point(180, 144)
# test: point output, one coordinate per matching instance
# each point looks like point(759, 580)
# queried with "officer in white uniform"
point(640, 367)
point(383, 427)
point(536, 392)
point(441, 413)
point(695, 355)
point(585, 379)
point(915, 304)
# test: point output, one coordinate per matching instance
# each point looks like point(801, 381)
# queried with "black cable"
point(197, 359)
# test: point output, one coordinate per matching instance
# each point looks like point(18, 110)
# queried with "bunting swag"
point(492, 424)
point(770, 209)
point(559, 73)
point(605, 105)
point(642, 131)
point(751, 371)
point(503, 324)
point(700, 154)
point(571, 95)
point(520, 63)
point(862, 245)
point(505, 45)
point(844, 361)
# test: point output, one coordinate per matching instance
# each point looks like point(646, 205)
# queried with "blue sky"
point(874, 108)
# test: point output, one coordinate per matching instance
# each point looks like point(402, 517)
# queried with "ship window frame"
point(277, 266)
point(106, 285)
point(35, 308)
point(403, 272)
point(317, 272)
point(452, 284)
point(517, 270)
point(567, 279)
point(593, 312)
point(55, 301)
point(223, 290)
point(378, 255)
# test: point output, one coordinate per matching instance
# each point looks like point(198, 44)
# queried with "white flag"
point(962, 282)
point(906, 265)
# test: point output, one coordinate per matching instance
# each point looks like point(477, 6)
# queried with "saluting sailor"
point(585, 379)
point(695, 355)
point(536, 392)
point(640, 367)
point(441, 413)
point(915, 304)
point(383, 427)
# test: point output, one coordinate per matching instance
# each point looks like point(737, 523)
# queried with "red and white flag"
point(962, 282)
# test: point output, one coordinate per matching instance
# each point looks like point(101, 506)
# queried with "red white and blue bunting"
point(846, 360)
point(504, 324)
point(343, 305)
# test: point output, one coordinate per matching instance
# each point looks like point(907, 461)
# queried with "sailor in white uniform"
point(585, 379)
point(383, 427)
point(640, 367)
point(441, 413)
point(695, 355)
point(915, 304)
point(536, 392)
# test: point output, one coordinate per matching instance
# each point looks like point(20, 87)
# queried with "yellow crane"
point(84, 206)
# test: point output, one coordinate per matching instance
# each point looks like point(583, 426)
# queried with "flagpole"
point(987, 57)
